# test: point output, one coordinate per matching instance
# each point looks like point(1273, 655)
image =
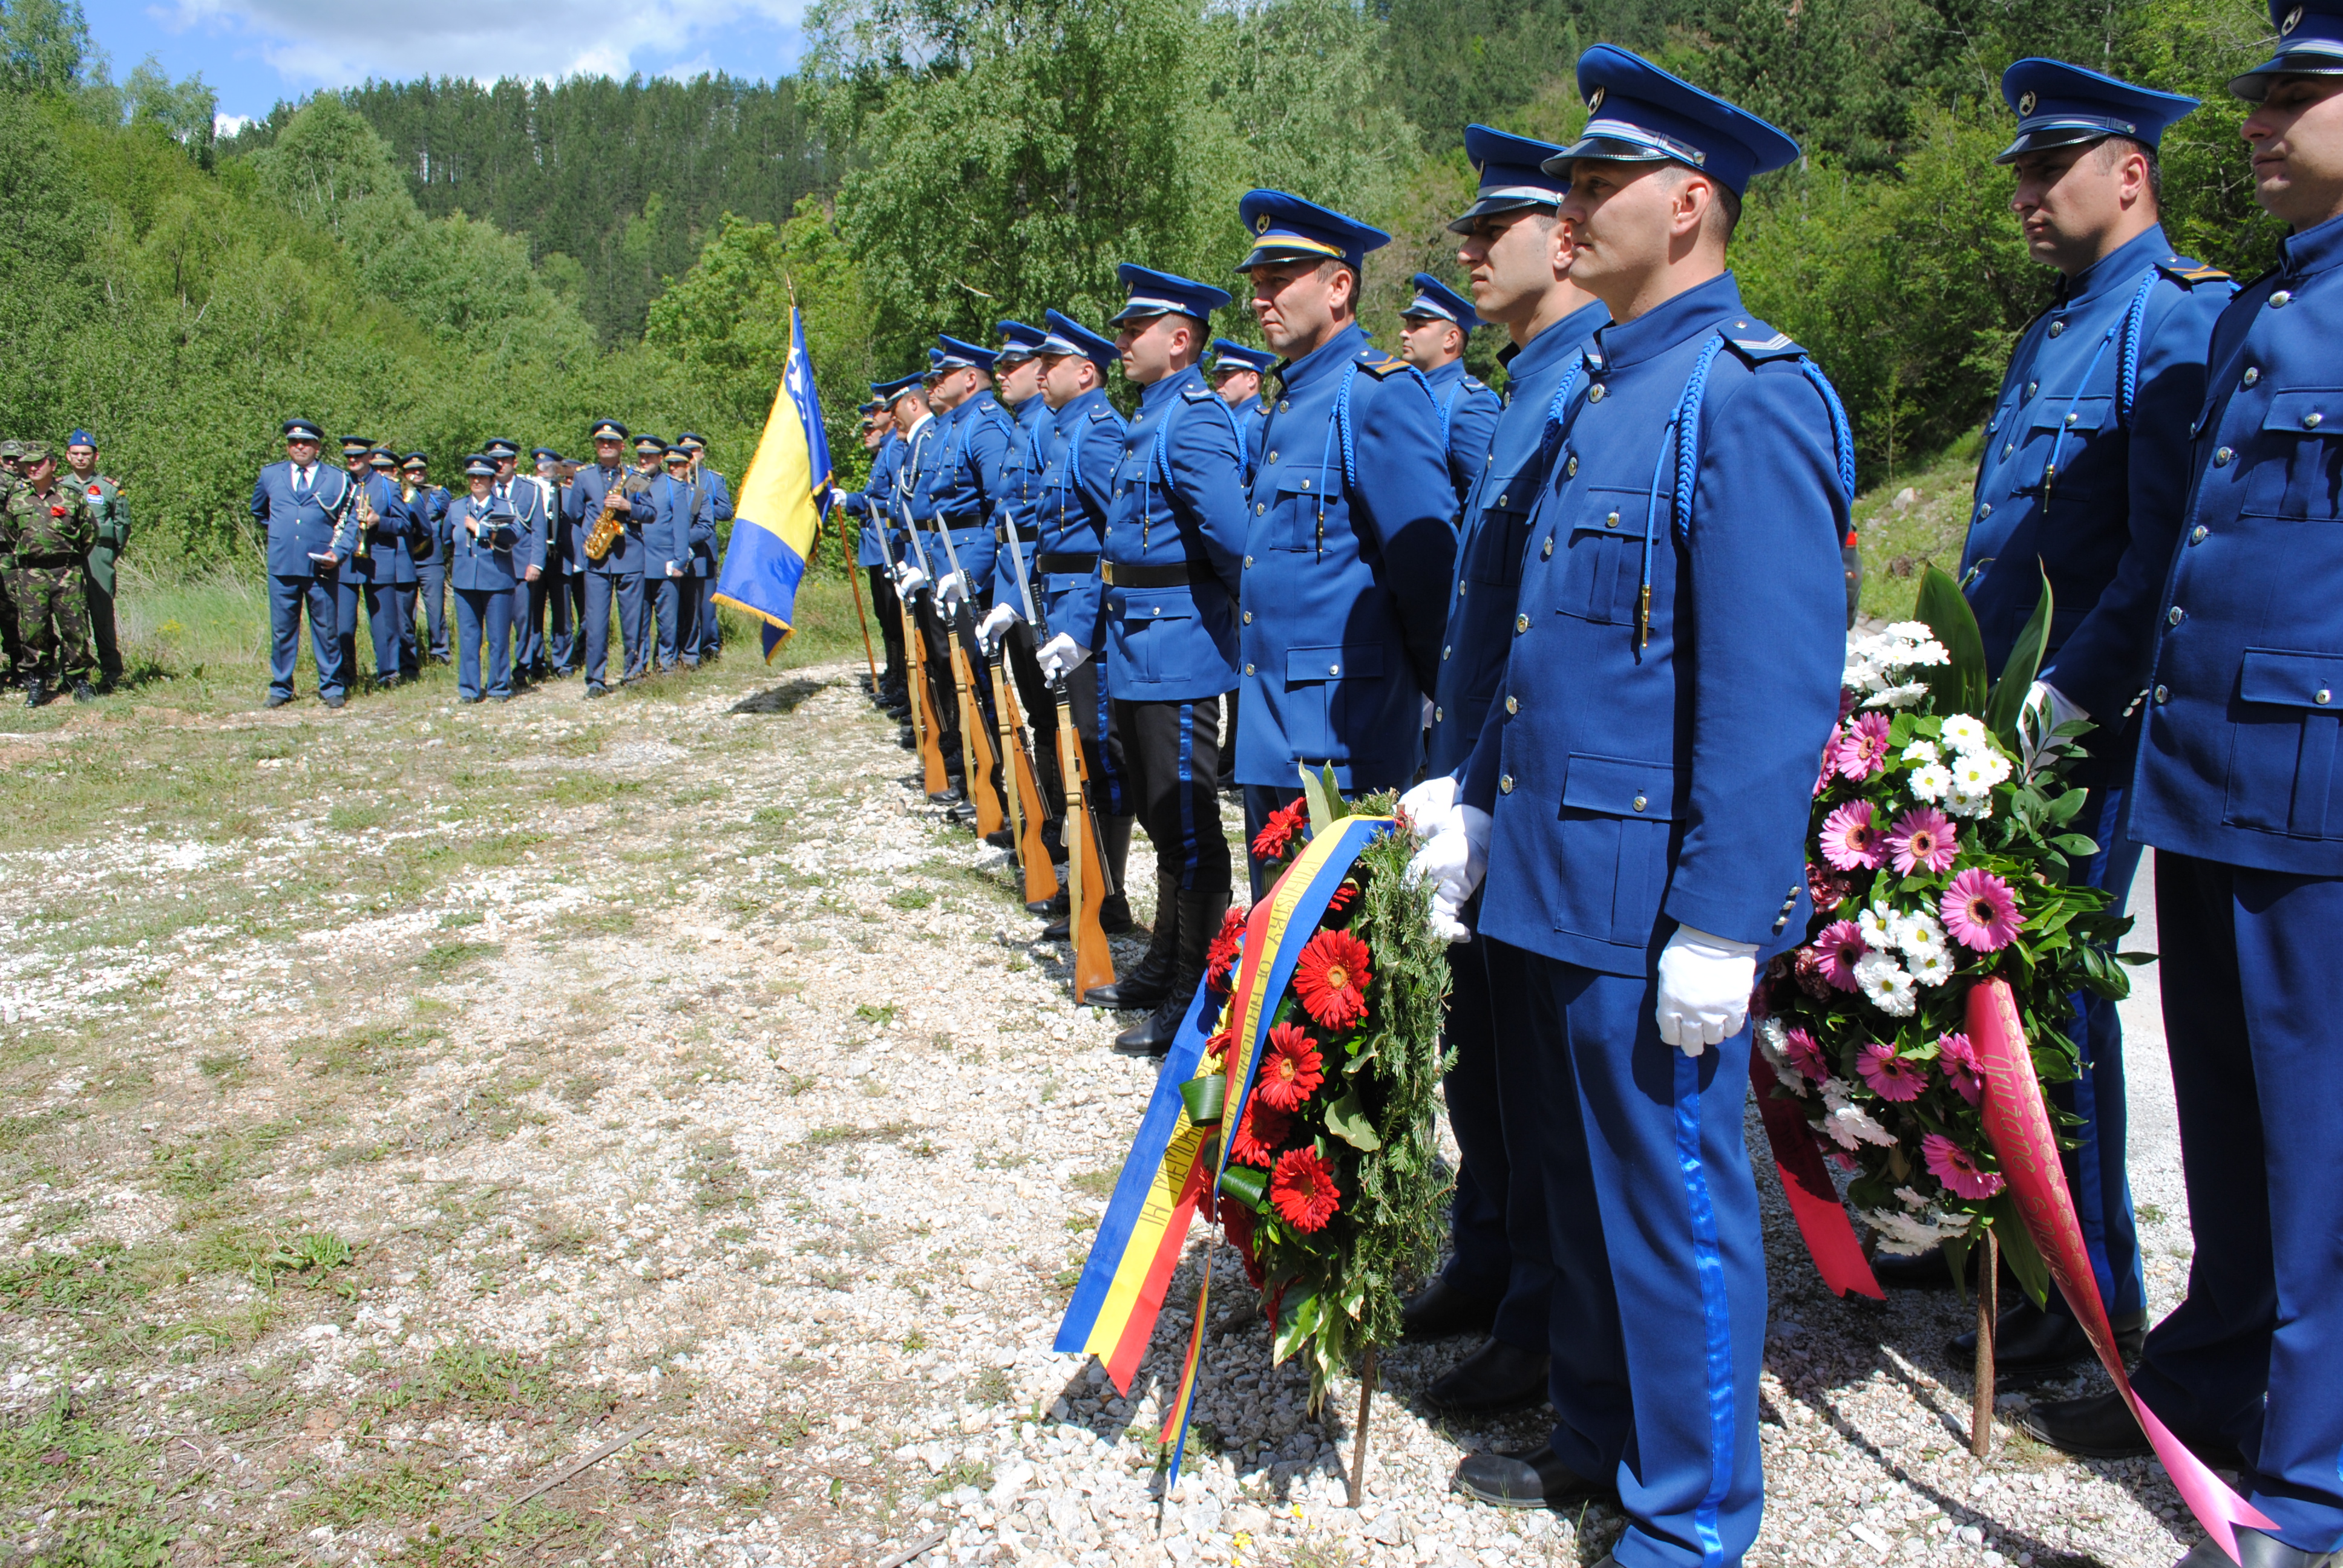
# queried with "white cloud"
point(228, 124)
point(339, 43)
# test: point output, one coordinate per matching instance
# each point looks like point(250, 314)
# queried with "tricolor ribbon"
point(2019, 1130)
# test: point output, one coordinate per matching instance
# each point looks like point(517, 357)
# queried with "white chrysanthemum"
point(1930, 781)
point(1907, 1235)
point(1963, 803)
point(1902, 696)
point(1911, 1200)
point(1917, 933)
point(1877, 924)
point(1772, 1036)
point(1931, 968)
point(1909, 631)
point(1849, 1124)
point(1920, 751)
point(1975, 772)
point(1963, 733)
point(1886, 985)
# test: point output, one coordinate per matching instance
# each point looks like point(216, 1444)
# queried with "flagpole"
point(853, 583)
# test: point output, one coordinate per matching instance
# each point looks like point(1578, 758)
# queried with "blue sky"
point(256, 51)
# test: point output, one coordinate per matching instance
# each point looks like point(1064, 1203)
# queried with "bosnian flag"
point(778, 514)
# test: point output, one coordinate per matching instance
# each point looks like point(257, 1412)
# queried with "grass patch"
point(374, 1051)
point(441, 960)
point(90, 1489)
point(911, 897)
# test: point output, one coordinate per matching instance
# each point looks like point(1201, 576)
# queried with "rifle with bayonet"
point(975, 741)
point(926, 727)
point(1027, 808)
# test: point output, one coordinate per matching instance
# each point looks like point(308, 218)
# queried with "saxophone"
point(611, 523)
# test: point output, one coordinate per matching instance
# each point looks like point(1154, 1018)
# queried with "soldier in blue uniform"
point(1519, 263)
point(2240, 595)
point(1432, 330)
point(300, 505)
point(531, 504)
point(1638, 798)
point(553, 608)
point(1347, 562)
point(1001, 627)
point(1075, 487)
point(353, 595)
point(684, 523)
point(1236, 372)
point(2085, 450)
point(1171, 565)
point(885, 445)
point(707, 560)
point(617, 577)
point(489, 546)
point(427, 545)
point(393, 593)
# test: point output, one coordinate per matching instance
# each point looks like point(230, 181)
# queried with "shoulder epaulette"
point(2182, 270)
point(1198, 393)
point(1474, 383)
point(1381, 366)
point(1757, 349)
point(1104, 411)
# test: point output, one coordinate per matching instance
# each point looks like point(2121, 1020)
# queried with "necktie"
point(300, 481)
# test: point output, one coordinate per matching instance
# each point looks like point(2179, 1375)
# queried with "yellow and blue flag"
point(778, 514)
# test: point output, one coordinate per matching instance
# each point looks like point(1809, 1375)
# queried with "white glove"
point(1453, 862)
point(1431, 804)
point(997, 621)
point(1425, 723)
point(910, 580)
point(952, 588)
point(1705, 985)
point(1061, 654)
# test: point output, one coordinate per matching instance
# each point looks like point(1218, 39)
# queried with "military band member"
point(2235, 788)
point(1648, 771)
point(529, 502)
point(300, 505)
point(1352, 540)
point(708, 560)
point(489, 549)
point(1432, 330)
point(1517, 257)
point(681, 524)
point(2087, 447)
point(615, 581)
point(426, 544)
point(50, 527)
point(391, 594)
point(564, 583)
point(355, 599)
point(113, 513)
point(1171, 558)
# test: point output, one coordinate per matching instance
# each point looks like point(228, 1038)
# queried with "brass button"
point(1283, 405)
point(2030, 386)
point(2008, 447)
point(2175, 617)
point(1594, 393)
point(1985, 511)
point(1258, 508)
point(1611, 521)
point(1548, 551)
point(1305, 484)
point(1248, 561)
point(1638, 802)
point(1513, 704)
point(2281, 299)
point(2163, 694)
point(2196, 535)
point(2253, 374)
point(2322, 697)
point(1501, 500)
point(1334, 669)
point(1437, 715)
point(1248, 618)
point(1520, 623)
point(1505, 784)
point(1446, 652)
point(2057, 328)
point(1248, 669)
point(2073, 419)
point(1273, 456)
point(2312, 421)
point(1459, 590)
point(2221, 459)
point(1571, 468)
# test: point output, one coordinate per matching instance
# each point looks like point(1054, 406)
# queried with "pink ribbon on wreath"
point(2019, 1130)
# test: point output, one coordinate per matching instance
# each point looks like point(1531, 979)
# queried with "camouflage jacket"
point(51, 530)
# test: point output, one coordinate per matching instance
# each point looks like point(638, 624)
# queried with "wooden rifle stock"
point(975, 739)
point(1026, 810)
point(1086, 882)
point(925, 729)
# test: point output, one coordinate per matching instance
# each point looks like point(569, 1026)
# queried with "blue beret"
point(502, 446)
point(608, 430)
point(956, 354)
point(481, 466)
point(1513, 175)
point(1637, 113)
point(2058, 105)
point(81, 438)
point(1153, 293)
point(1067, 336)
point(1287, 228)
point(1017, 341)
point(1230, 356)
point(2309, 43)
point(302, 431)
point(1433, 297)
point(355, 445)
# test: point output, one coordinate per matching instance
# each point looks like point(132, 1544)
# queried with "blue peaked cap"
point(304, 430)
point(1287, 228)
point(1513, 175)
point(1017, 341)
point(1433, 297)
point(1637, 113)
point(1229, 355)
point(2058, 105)
point(958, 354)
point(1067, 336)
point(2309, 43)
point(1153, 293)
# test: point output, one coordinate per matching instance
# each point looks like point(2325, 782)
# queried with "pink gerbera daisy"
point(1980, 912)
point(1957, 1169)
point(1890, 1076)
point(1922, 838)
point(1806, 1055)
point(1958, 1056)
point(1850, 838)
point(1839, 945)
point(1862, 749)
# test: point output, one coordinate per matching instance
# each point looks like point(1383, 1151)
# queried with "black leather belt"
point(1074, 566)
point(951, 525)
point(1000, 532)
point(1118, 576)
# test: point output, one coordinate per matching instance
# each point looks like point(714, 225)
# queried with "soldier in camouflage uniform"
point(12, 452)
point(113, 513)
point(50, 529)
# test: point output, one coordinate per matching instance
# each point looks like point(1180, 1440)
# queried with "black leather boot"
point(2100, 1426)
point(1149, 981)
point(2255, 1550)
point(2030, 1342)
point(1492, 1380)
point(1440, 1310)
point(1523, 1478)
point(1199, 917)
point(33, 692)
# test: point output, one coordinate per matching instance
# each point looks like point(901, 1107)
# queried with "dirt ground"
point(405, 1104)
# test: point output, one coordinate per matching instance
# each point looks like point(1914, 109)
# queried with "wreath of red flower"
point(1290, 1070)
point(1220, 958)
point(1331, 979)
point(1277, 834)
point(1302, 1189)
point(1259, 1134)
point(1340, 899)
point(1236, 1223)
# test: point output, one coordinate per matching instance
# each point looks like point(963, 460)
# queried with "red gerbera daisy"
point(1290, 1070)
point(1220, 958)
point(1331, 978)
point(1277, 834)
point(1340, 899)
point(1302, 1189)
point(1257, 1137)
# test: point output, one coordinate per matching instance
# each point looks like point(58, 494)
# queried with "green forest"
point(429, 263)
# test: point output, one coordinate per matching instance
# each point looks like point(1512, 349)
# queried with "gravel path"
point(665, 1066)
